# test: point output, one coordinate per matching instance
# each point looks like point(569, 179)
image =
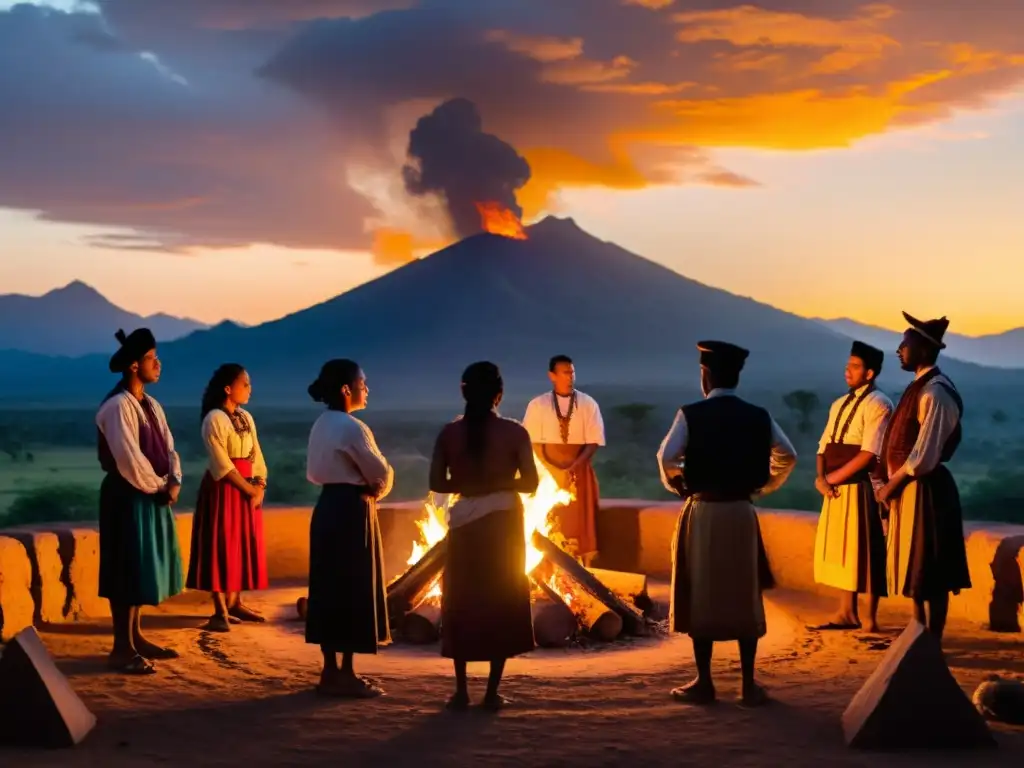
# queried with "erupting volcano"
point(475, 174)
point(499, 220)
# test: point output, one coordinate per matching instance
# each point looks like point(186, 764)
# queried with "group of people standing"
point(877, 467)
point(140, 558)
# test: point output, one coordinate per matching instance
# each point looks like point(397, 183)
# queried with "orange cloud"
point(619, 97)
point(856, 41)
point(654, 5)
point(394, 247)
point(545, 48)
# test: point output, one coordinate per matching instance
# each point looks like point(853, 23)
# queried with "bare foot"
point(217, 623)
point(245, 613)
point(840, 622)
point(150, 650)
point(695, 692)
point(348, 688)
point(459, 702)
point(130, 663)
point(754, 696)
point(494, 701)
point(872, 627)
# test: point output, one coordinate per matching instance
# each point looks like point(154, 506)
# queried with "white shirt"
point(938, 416)
point(342, 449)
point(586, 427)
point(673, 451)
point(118, 420)
point(867, 429)
point(224, 443)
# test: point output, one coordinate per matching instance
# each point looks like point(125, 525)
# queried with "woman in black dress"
point(347, 609)
point(487, 460)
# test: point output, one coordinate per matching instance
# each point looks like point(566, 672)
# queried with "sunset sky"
point(243, 158)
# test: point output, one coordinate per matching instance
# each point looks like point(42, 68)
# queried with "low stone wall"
point(49, 574)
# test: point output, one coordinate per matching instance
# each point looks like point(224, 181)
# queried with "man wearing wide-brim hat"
point(720, 453)
point(140, 561)
point(927, 557)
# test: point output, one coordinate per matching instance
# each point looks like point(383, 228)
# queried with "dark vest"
point(728, 448)
point(901, 435)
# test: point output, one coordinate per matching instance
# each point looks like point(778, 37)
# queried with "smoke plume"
point(452, 157)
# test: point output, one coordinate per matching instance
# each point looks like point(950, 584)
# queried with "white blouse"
point(118, 420)
point(586, 427)
point(342, 449)
point(224, 443)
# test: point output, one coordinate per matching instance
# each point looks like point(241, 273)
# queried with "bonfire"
point(568, 598)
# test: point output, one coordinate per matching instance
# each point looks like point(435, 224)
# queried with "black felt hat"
point(134, 347)
point(931, 331)
point(722, 356)
point(872, 356)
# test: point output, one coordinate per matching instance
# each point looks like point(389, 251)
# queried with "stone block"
point(17, 608)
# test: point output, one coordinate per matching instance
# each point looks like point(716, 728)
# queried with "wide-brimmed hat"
point(931, 331)
point(134, 347)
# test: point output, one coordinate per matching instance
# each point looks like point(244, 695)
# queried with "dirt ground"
point(246, 699)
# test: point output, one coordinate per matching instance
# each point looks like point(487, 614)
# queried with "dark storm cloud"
point(111, 138)
point(230, 121)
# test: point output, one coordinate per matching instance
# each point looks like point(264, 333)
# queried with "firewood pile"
point(570, 602)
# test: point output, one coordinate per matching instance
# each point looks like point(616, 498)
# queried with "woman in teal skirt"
point(140, 560)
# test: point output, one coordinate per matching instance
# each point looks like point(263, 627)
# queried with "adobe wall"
point(49, 573)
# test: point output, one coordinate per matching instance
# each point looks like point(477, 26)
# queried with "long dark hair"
point(334, 375)
point(481, 386)
point(214, 396)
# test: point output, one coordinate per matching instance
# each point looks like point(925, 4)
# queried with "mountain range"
point(998, 350)
point(628, 323)
point(75, 320)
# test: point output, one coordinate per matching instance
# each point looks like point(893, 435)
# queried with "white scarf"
point(466, 510)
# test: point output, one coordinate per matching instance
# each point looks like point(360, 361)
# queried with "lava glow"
point(536, 516)
point(499, 220)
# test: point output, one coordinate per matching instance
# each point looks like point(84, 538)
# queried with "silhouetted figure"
point(927, 554)
point(228, 555)
point(485, 606)
point(347, 608)
point(849, 551)
point(719, 454)
point(140, 561)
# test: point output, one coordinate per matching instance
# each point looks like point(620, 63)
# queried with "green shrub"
point(54, 504)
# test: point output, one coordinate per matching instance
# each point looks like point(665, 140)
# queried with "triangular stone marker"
point(38, 707)
point(912, 700)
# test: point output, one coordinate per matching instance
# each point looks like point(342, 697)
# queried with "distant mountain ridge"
point(629, 323)
point(76, 320)
point(997, 350)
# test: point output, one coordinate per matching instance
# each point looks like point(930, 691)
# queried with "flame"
point(499, 220)
point(536, 517)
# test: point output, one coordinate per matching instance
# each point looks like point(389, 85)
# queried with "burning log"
point(554, 623)
point(630, 587)
point(405, 592)
point(421, 626)
point(633, 620)
point(596, 618)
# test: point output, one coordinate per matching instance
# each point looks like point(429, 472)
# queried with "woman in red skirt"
point(228, 555)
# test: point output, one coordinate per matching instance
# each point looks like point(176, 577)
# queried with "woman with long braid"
point(487, 461)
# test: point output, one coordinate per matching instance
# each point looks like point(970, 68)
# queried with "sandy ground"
point(246, 699)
